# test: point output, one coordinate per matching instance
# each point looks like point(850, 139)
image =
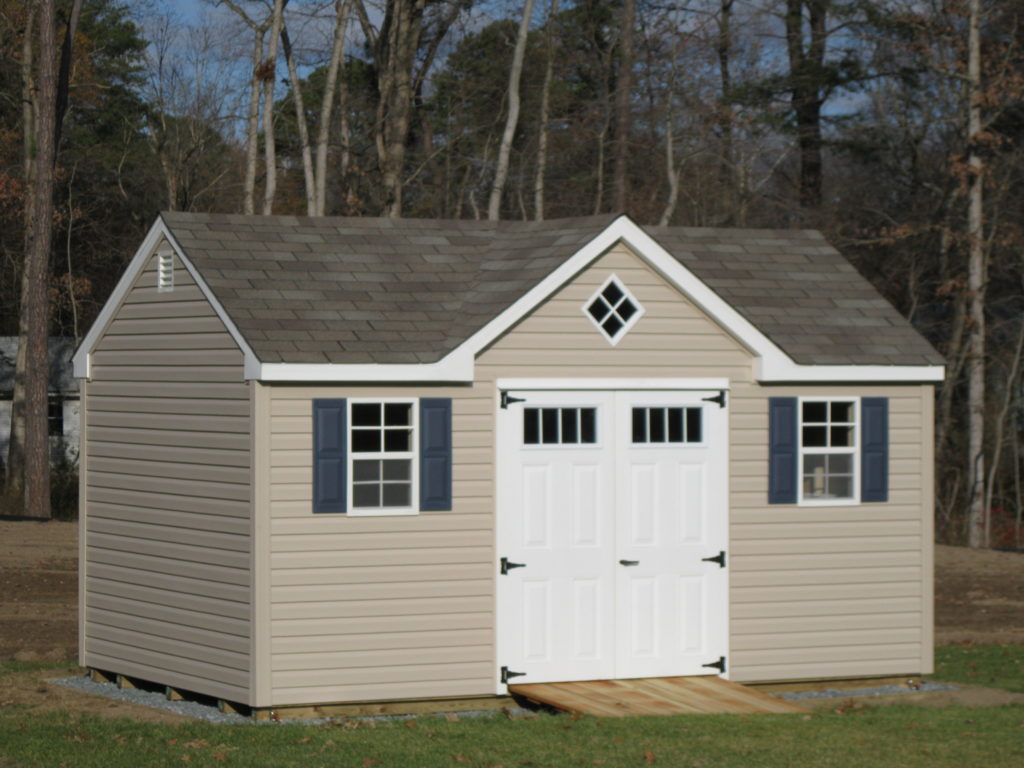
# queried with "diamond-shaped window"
point(613, 310)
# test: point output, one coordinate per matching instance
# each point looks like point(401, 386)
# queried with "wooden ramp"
point(654, 696)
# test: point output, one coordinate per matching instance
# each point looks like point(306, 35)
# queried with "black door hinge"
point(719, 665)
point(507, 674)
point(719, 558)
point(507, 566)
point(506, 398)
point(719, 398)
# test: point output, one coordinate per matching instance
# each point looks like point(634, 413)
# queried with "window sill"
point(406, 512)
point(824, 502)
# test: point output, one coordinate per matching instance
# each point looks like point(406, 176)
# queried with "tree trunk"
point(975, 290)
point(342, 12)
point(397, 45)
point(301, 124)
point(670, 169)
point(252, 132)
point(545, 114)
point(997, 441)
point(805, 91)
point(623, 105)
point(15, 469)
point(269, 72)
point(725, 116)
point(35, 303)
point(512, 118)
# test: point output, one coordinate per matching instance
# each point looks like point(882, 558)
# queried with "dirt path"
point(979, 596)
point(38, 591)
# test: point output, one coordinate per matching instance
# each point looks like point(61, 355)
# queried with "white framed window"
point(382, 455)
point(829, 455)
point(613, 310)
point(555, 425)
point(667, 425)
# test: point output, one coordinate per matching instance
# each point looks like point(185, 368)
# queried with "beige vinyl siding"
point(830, 591)
point(167, 519)
point(366, 608)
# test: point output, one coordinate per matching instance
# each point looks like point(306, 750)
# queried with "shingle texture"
point(356, 290)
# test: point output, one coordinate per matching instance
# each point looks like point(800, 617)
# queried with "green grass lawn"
point(896, 735)
point(996, 666)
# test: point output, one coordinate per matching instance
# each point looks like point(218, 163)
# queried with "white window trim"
point(628, 325)
point(413, 454)
point(814, 502)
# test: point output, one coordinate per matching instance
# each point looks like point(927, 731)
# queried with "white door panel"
point(612, 533)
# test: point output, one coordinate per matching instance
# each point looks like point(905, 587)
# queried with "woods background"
point(895, 126)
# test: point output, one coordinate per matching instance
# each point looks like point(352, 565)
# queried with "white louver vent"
point(165, 271)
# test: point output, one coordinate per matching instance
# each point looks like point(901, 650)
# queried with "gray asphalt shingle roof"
point(357, 290)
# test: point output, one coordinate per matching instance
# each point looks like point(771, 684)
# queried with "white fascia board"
point(788, 371)
point(454, 369)
point(697, 385)
point(80, 360)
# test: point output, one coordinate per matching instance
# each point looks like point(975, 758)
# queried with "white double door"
point(609, 505)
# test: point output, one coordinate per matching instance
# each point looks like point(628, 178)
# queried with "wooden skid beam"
point(99, 676)
point(125, 682)
point(374, 708)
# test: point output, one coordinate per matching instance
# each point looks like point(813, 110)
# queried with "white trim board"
point(577, 385)
point(771, 364)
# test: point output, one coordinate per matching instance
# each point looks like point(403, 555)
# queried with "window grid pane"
point(828, 444)
point(381, 461)
point(613, 309)
point(667, 425)
point(559, 426)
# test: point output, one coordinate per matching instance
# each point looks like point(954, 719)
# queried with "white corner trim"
point(577, 385)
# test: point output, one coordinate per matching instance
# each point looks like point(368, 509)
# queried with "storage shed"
point(333, 460)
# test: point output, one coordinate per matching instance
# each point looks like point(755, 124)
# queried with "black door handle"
point(507, 566)
point(719, 558)
point(629, 562)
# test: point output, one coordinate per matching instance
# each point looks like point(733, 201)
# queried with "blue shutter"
point(874, 455)
point(329, 467)
point(782, 450)
point(435, 453)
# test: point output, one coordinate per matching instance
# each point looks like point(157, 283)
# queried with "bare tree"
point(300, 123)
point(975, 286)
point(15, 471)
point(342, 12)
point(805, 61)
point(512, 118)
point(623, 106)
point(252, 129)
point(268, 72)
point(545, 112)
point(35, 307)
